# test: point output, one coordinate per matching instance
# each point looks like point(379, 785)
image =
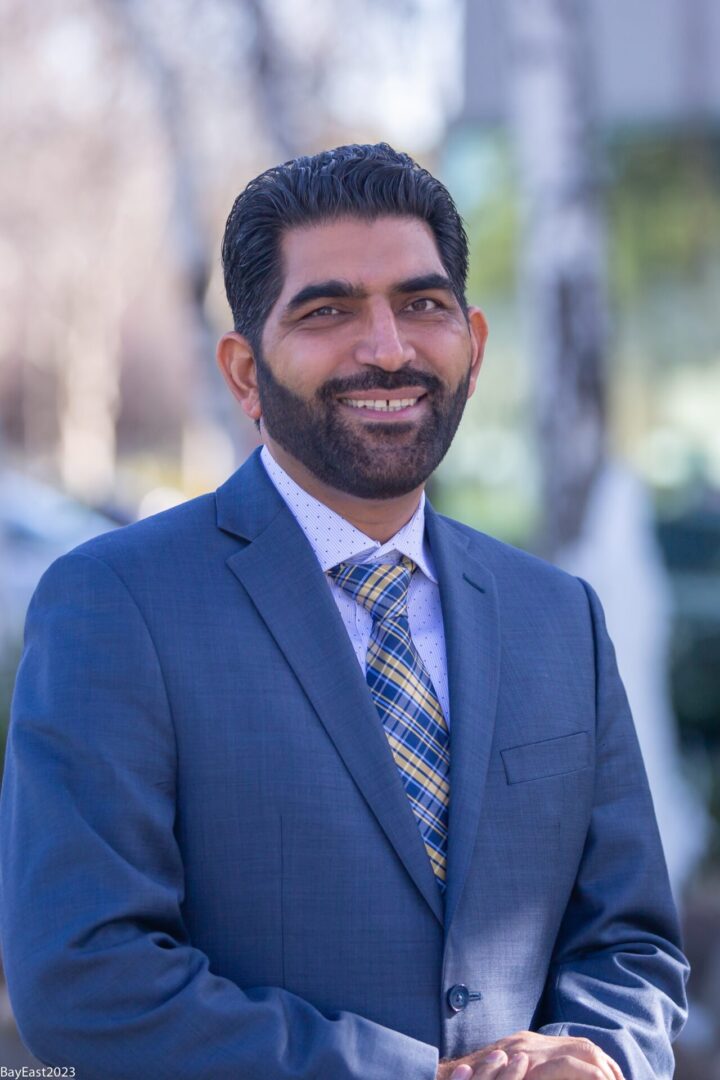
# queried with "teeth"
point(381, 406)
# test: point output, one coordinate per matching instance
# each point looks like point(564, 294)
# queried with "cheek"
point(307, 364)
point(446, 344)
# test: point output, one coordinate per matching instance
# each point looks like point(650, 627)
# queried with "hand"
point(542, 1057)
point(486, 1064)
point(560, 1057)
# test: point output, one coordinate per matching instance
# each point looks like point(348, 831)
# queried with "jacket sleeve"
point(618, 974)
point(101, 973)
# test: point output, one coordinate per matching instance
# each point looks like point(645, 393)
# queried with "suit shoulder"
point(181, 521)
point(174, 537)
point(512, 564)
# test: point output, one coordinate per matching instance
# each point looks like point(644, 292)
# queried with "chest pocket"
point(549, 757)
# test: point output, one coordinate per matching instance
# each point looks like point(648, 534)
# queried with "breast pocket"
point(549, 757)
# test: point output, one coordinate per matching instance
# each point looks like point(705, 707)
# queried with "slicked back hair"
point(364, 182)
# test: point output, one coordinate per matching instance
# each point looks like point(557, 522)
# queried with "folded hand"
point(537, 1057)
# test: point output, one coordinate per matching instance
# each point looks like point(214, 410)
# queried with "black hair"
point(365, 182)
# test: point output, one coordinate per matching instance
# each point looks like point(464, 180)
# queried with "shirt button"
point(458, 997)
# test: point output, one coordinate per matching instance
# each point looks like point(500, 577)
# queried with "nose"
point(381, 343)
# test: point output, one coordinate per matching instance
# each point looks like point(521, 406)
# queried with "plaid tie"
point(405, 698)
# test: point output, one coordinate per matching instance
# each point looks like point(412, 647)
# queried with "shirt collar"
point(335, 540)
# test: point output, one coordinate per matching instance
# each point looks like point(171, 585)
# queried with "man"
point(304, 779)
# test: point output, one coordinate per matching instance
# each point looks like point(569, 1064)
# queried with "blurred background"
point(581, 140)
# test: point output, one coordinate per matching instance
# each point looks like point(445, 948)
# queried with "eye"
point(326, 309)
point(424, 304)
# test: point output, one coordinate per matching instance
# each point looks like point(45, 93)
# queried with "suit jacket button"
point(458, 997)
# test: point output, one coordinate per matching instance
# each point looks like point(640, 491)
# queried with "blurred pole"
point(277, 82)
point(563, 259)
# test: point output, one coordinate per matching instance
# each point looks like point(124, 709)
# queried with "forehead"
point(376, 253)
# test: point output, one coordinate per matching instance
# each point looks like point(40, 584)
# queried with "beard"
point(371, 461)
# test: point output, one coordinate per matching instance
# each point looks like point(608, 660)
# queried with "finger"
point(591, 1053)
point(490, 1066)
point(567, 1067)
point(516, 1067)
point(614, 1067)
point(496, 1066)
point(463, 1072)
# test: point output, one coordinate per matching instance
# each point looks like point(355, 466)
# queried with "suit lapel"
point(470, 617)
point(281, 574)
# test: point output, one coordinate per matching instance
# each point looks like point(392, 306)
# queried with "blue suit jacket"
point(210, 869)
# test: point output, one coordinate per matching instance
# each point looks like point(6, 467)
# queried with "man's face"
point(367, 358)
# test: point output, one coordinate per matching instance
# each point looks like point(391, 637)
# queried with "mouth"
point(376, 405)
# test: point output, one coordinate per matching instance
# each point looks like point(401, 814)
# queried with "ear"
point(477, 324)
point(237, 363)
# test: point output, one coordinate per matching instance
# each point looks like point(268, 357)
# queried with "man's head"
point(346, 275)
point(365, 182)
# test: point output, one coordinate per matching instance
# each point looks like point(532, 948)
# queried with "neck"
point(377, 518)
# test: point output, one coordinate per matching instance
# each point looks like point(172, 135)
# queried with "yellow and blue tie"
point(405, 698)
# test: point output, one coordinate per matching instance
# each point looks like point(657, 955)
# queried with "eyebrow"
point(336, 288)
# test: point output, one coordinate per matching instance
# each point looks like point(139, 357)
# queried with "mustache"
point(377, 379)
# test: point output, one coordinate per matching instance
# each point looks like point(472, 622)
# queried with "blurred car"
point(37, 524)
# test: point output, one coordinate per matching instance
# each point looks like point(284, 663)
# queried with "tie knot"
point(380, 587)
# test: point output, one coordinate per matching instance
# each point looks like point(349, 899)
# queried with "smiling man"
point(369, 371)
point(304, 779)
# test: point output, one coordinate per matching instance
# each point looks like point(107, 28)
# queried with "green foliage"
point(493, 232)
point(497, 511)
point(662, 201)
point(663, 205)
point(479, 172)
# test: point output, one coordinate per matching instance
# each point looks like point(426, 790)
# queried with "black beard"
point(376, 462)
